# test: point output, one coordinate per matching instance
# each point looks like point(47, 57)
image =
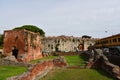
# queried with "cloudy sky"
point(97, 18)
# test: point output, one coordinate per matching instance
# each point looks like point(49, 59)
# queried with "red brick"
point(28, 44)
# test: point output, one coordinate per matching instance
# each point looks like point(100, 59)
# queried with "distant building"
point(65, 44)
point(60, 43)
point(25, 44)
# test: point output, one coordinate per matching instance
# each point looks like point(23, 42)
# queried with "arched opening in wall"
point(15, 51)
point(81, 47)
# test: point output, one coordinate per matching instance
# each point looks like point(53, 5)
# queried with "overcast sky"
point(96, 18)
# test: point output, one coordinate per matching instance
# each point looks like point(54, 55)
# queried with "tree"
point(31, 28)
point(1, 41)
point(86, 36)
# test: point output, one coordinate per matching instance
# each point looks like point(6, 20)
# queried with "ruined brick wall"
point(99, 60)
point(66, 43)
point(34, 49)
point(27, 43)
point(13, 38)
point(60, 43)
point(35, 72)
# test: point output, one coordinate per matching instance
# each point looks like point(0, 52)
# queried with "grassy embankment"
point(8, 71)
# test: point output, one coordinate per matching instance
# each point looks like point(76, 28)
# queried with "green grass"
point(45, 58)
point(76, 74)
point(75, 60)
point(8, 71)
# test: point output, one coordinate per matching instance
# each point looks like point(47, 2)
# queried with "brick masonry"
point(98, 60)
point(28, 44)
point(37, 71)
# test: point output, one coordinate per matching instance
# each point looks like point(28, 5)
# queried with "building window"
point(114, 40)
point(51, 46)
point(73, 40)
point(110, 41)
point(48, 45)
point(118, 39)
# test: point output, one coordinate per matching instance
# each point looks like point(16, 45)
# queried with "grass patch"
point(75, 60)
point(44, 58)
point(8, 71)
point(76, 74)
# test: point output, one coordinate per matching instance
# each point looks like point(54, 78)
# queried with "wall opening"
point(15, 51)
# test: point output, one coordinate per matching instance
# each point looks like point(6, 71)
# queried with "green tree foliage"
point(31, 28)
point(1, 41)
point(86, 36)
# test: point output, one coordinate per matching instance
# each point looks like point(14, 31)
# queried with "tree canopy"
point(31, 28)
point(86, 36)
point(1, 40)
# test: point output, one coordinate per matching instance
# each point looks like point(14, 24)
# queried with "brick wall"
point(98, 60)
point(36, 71)
point(28, 44)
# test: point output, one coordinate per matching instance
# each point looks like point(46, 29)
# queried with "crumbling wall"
point(60, 62)
point(65, 43)
point(33, 47)
point(13, 38)
point(28, 44)
point(37, 71)
point(98, 60)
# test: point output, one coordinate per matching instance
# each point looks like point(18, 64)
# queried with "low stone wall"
point(111, 69)
point(40, 69)
point(6, 62)
point(98, 60)
point(65, 53)
point(60, 62)
point(35, 72)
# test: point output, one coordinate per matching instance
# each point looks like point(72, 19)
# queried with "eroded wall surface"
point(28, 44)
